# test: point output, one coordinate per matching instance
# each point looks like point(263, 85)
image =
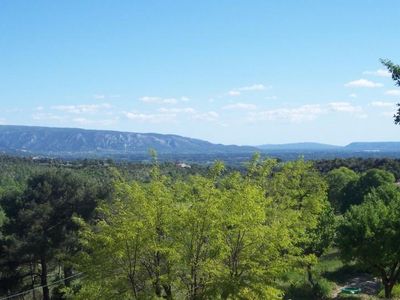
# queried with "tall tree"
point(355, 191)
point(394, 69)
point(369, 234)
point(130, 249)
point(337, 180)
point(41, 218)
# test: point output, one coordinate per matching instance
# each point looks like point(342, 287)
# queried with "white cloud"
point(387, 114)
point(185, 99)
point(85, 121)
point(102, 96)
point(209, 116)
point(344, 107)
point(161, 100)
point(363, 83)
point(240, 106)
point(254, 87)
point(39, 108)
point(308, 112)
point(186, 110)
point(353, 95)
point(382, 104)
point(3, 121)
point(153, 118)
point(158, 100)
point(233, 93)
point(302, 113)
point(47, 116)
point(379, 73)
point(82, 108)
point(393, 92)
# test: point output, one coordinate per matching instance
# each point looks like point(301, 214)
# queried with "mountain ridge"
point(81, 143)
point(49, 140)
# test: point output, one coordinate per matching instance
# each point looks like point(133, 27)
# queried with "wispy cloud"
point(42, 116)
point(240, 106)
point(254, 87)
point(353, 95)
point(234, 93)
point(363, 83)
point(86, 121)
point(298, 114)
point(161, 100)
point(382, 104)
point(82, 108)
point(176, 110)
point(393, 92)
point(153, 118)
point(210, 116)
point(158, 100)
point(103, 96)
point(304, 113)
point(344, 107)
point(379, 73)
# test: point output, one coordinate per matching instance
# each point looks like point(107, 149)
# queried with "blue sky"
point(242, 72)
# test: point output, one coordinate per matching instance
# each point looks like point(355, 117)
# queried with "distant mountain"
point(374, 146)
point(81, 142)
point(299, 146)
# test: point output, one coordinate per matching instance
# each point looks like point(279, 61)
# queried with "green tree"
point(355, 191)
point(320, 239)
point(41, 217)
point(220, 236)
point(395, 71)
point(199, 238)
point(130, 250)
point(337, 180)
point(369, 234)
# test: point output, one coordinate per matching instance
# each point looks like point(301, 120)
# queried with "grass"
point(330, 273)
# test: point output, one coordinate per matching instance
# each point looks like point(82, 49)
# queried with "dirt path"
point(368, 284)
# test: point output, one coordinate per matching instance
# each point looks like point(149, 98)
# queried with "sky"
point(234, 72)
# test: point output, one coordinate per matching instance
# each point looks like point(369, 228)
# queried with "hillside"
point(61, 141)
point(299, 146)
point(374, 146)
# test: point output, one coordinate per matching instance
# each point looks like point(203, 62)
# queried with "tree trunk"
point(388, 289)
point(33, 280)
point(43, 278)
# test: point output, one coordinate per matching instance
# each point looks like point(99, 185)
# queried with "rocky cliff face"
point(46, 140)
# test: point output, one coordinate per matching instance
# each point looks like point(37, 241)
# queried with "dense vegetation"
point(105, 230)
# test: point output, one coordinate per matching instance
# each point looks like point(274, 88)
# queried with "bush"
point(323, 289)
point(304, 291)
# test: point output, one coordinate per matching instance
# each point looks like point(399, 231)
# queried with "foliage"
point(217, 236)
point(369, 234)
point(205, 232)
point(40, 221)
point(337, 180)
point(395, 71)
